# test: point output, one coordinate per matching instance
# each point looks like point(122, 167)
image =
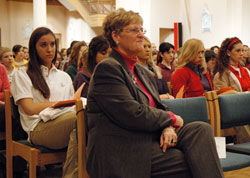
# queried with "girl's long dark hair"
point(34, 65)
point(16, 49)
point(164, 47)
point(97, 44)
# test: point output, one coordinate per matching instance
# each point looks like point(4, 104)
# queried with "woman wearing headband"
point(230, 72)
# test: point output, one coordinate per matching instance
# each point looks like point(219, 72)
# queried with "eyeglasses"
point(135, 30)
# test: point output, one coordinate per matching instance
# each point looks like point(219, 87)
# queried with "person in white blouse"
point(40, 85)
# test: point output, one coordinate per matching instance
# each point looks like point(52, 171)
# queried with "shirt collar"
point(45, 69)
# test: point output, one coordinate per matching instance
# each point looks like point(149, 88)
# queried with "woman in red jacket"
point(191, 71)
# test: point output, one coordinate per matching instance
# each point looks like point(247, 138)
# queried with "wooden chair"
point(170, 88)
point(81, 137)
point(228, 111)
point(221, 126)
point(34, 155)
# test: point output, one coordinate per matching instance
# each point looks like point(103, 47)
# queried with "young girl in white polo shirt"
point(40, 85)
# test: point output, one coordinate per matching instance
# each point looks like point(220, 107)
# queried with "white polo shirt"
point(59, 83)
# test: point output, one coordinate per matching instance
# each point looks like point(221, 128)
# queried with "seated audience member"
point(68, 52)
point(215, 49)
point(97, 51)
point(232, 74)
point(38, 86)
point(247, 65)
point(6, 58)
point(58, 60)
point(130, 133)
point(165, 59)
point(4, 85)
point(145, 59)
point(18, 56)
point(246, 57)
point(154, 49)
point(74, 59)
point(26, 53)
point(154, 57)
point(63, 53)
point(210, 57)
point(19, 165)
point(175, 60)
point(191, 71)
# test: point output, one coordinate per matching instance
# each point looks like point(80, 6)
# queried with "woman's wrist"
point(170, 128)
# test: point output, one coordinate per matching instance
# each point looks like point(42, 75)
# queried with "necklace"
point(134, 79)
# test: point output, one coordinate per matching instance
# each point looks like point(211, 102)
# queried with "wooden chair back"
point(81, 135)
point(221, 126)
point(34, 155)
point(170, 88)
point(190, 109)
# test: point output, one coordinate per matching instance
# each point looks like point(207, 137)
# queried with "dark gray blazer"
point(121, 124)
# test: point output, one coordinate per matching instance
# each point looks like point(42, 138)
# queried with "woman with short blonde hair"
point(131, 134)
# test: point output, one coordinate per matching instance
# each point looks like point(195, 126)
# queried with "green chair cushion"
point(235, 110)
point(42, 148)
point(234, 161)
point(190, 109)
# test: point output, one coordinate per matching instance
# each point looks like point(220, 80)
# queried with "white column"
point(235, 7)
point(39, 13)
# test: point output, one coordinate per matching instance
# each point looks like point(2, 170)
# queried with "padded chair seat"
point(41, 148)
point(190, 109)
point(240, 148)
point(232, 107)
point(234, 161)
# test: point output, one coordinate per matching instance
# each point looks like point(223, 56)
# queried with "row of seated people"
point(121, 87)
point(31, 88)
point(192, 74)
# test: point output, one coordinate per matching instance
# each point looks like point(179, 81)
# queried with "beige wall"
point(4, 23)
point(229, 18)
point(20, 14)
point(16, 23)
